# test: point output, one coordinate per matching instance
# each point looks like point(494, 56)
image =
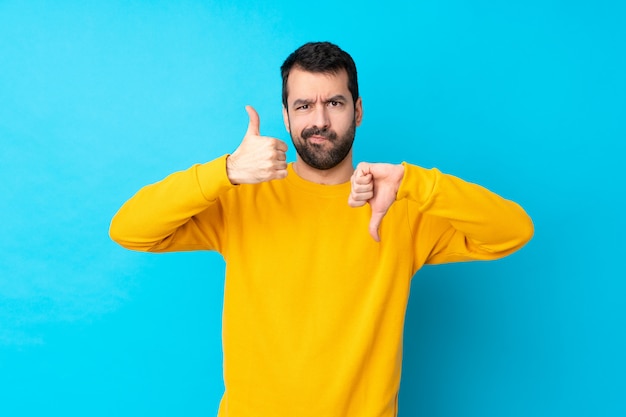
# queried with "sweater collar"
point(315, 188)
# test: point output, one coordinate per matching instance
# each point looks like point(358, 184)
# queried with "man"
point(319, 255)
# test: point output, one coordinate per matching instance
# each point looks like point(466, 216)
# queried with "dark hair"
point(320, 57)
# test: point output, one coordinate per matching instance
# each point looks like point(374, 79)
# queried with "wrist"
point(398, 176)
point(231, 170)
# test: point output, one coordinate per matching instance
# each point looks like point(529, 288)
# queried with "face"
point(321, 117)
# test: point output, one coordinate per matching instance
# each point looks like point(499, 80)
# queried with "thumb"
point(254, 123)
point(375, 224)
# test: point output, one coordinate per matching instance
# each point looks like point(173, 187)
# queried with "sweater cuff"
point(418, 185)
point(212, 178)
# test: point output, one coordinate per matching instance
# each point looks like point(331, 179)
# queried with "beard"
point(317, 155)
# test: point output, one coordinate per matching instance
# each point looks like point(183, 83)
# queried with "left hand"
point(376, 184)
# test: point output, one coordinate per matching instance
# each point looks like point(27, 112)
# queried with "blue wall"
point(525, 97)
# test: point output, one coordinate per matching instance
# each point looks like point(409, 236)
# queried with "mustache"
point(316, 131)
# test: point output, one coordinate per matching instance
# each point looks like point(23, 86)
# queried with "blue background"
point(100, 98)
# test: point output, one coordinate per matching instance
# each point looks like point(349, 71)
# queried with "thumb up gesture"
point(258, 158)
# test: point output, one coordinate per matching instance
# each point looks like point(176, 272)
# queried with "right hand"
point(258, 158)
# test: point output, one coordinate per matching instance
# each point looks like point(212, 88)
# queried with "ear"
point(286, 120)
point(358, 111)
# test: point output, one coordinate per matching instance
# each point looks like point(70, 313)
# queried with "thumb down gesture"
point(376, 185)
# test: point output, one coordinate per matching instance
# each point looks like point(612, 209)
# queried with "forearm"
point(490, 226)
point(158, 211)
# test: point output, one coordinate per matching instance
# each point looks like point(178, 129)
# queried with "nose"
point(321, 119)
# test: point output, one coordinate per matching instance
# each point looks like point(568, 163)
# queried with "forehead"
point(311, 85)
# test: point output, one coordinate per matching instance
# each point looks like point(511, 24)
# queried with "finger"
point(352, 202)
point(363, 179)
point(361, 183)
point(280, 166)
point(277, 144)
point(374, 225)
point(281, 156)
point(280, 171)
point(281, 146)
point(281, 174)
point(362, 195)
point(254, 123)
point(362, 169)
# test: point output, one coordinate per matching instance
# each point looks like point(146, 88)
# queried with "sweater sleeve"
point(163, 216)
point(461, 221)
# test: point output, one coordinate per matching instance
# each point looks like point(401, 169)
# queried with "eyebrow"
point(338, 97)
point(301, 101)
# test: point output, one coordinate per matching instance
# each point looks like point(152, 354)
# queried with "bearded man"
point(319, 253)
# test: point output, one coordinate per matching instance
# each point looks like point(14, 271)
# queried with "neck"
point(333, 176)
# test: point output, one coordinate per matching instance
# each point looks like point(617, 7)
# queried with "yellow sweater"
point(314, 307)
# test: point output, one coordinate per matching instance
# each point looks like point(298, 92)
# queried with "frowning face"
point(321, 117)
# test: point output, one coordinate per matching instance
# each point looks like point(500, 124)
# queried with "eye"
point(303, 107)
point(334, 103)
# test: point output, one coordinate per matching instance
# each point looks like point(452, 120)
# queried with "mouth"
point(317, 136)
point(317, 139)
